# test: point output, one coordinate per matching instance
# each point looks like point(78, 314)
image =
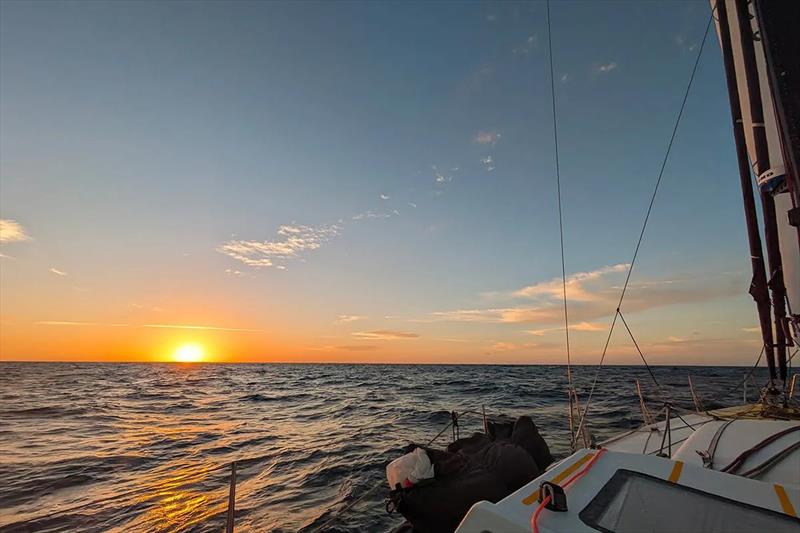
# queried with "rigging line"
point(792, 356)
point(646, 219)
point(558, 191)
point(650, 370)
point(752, 369)
point(571, 389)
point(687, 424)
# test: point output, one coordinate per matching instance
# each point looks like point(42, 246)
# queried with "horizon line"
point(51, 361)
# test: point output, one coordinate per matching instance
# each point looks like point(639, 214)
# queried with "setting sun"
point(189, 353)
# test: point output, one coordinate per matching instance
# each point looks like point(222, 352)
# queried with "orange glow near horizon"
point(189, 353)
point(205, 337)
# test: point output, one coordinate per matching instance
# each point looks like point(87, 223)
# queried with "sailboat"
point(732, 469)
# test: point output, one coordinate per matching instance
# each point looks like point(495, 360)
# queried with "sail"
point(770, 174)
point(762, 136)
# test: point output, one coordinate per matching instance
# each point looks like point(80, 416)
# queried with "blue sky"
point(152, 152)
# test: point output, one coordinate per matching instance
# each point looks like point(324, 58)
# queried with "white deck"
point(647, 439)
point(778, 490)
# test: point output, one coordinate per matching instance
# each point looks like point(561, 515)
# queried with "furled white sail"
point(771, 172)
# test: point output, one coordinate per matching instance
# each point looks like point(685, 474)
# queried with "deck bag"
point(476, 468)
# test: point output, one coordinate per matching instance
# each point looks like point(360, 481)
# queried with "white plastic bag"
point(409, 469)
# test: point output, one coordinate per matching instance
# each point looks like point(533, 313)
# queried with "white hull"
point(638, 484)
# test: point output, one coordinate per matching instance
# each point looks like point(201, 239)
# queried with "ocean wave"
point(151, 441)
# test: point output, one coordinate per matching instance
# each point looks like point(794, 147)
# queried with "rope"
point(567, 483)
point(650, 370)
point(644, 224)
point(687, 424)
point(708, 459)
point(560, 224)
point(771, 462)
point(742, 457)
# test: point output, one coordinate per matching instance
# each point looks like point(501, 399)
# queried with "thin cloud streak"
point(79, 324)
point(343, 319)
point(159, 326)
point(510, 346)
point(374, 214)
point(580, 326)
point(211, 328)
point(385, 335)
point(57, 271)
point(357, 347)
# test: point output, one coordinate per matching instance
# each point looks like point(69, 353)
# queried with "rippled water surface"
point(147, 447)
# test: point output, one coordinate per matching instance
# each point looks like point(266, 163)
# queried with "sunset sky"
point(364, 182)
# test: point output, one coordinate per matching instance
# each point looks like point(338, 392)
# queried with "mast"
point(762, 159)
point(758, 284)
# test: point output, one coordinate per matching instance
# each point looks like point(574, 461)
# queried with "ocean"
point(148, 447)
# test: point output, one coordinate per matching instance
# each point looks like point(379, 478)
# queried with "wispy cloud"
point(755, 329)
point(502, 346)
point(672, 346)
point(565, 77)
point(593, 295)
point(79, 324)
point(12, 231)
point(530, 44)
point(488, 163)
point(587, 326)
point(375, 214)
point(57, 271)
point(580, 326)
point(293, 242)
point(385, 335)
point(681, 42)
point(384, 196)
point(343, 319)
point(356, 347)
point(575, 283)
point(412, 205)
point(608, 67)
point(486, 137)
point(158, 326)
point(442, 177)
point(211, 328)
point(65, 323)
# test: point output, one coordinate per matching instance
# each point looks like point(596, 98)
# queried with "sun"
point(189, 353)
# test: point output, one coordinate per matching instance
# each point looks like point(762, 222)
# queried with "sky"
point(365, 182)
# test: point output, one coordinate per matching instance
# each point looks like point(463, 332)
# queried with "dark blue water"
point(146, 447)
